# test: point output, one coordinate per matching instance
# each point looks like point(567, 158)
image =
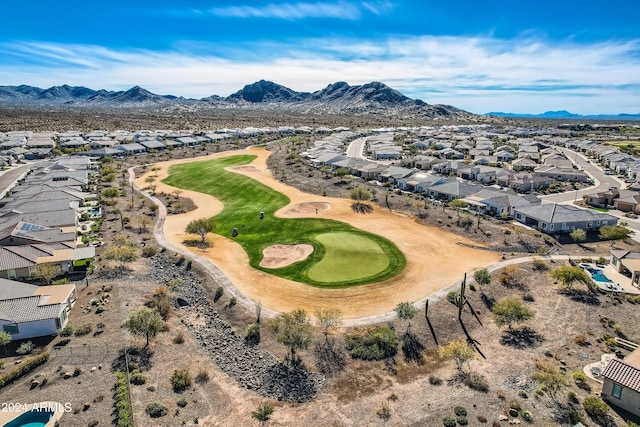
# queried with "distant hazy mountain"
point(336, 98)
point(563, 114)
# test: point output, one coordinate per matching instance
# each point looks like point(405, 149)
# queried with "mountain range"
point(337, 98)
point(563, 114)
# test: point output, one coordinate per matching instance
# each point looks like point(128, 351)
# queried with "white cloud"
point(291, 11)
point(480, 74)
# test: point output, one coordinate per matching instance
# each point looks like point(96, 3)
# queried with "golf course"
point(342, 256)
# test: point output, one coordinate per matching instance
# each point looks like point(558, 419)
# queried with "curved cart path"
point(435, 262)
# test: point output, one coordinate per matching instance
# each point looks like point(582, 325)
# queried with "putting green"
point(245, 199)
point(349, 256)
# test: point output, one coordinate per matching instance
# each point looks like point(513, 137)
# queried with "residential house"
point(394, 173)
point(552, 218)
point(449, 167)
point(621, 383)
point(524, 182)
point(561, 174)
point(628, 264)
point(504, 156)
point(523, 164)
point(498, 202)
point(130, 149)
point(19, 262)
point(419, 180)
point(628, 204)
point(451, 189)
point(29, 311)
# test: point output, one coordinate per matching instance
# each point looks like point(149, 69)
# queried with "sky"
point(482, 56)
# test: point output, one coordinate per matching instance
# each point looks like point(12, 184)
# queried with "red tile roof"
point(623, 374)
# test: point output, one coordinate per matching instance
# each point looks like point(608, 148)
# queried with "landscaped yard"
point(343, 255)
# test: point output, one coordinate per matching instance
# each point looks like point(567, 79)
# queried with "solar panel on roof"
point(32, 227)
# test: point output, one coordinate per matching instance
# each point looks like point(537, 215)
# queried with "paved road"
point(9, 177)
point(602, 182)
point(356, 148)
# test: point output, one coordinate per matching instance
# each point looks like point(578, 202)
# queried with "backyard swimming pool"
point(598, 275)
point(31, 419)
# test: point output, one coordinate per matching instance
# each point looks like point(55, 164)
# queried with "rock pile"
point(254, 368)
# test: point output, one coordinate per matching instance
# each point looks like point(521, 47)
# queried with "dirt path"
point(434, 260)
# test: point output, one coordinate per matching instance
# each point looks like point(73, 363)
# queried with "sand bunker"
point(277, 256)
point(309, 208)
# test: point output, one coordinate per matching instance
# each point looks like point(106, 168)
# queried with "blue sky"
point(515, 56)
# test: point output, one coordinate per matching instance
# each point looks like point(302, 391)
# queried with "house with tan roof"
point(628, 264)
point(28, 311)
point(621, 386)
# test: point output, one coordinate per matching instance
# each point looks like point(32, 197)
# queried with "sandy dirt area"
point(277, 256)
point(434, 259)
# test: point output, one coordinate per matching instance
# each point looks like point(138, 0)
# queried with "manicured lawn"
point(244, 198)
point(348, 255)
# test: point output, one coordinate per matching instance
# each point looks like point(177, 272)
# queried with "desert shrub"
point(83, 330)
point(460, 411)
point(25, 348)
point(376, 343)
point(462, 420)
point(66, 332)
point(149, 251)
point(178, 339)
point(579, 377)
point(100, 309)
point(122, 401)
point(449, 422)
point(383, 412)
point(539, 264)
point(182, 402)
point(633, 299)
point(528, 298)
point(526, 415)
point(181, 380)
point(496, 424)
point(482, 419)
point(523, 394)
point(93, 423)
point(23, 368)
point(477, 382)
point(572, 397)
point(595, 407)
point(232, 301)
point(202, 376)
point(539, 392)
point(433, 380)
point(576, 417)
point(253, 333)
point(138, 378)
point(580, 340)
point(156, 410)
point(515, 404)
point(161, 302)
point(452, 297)
point(218, 294)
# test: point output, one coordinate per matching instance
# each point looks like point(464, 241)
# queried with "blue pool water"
point(31, 419)
point(598, 275)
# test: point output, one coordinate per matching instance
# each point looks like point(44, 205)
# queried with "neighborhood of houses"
point(39, 228)
point(497, 172)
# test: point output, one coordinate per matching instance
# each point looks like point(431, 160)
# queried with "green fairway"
point(375, 258)
point(348, 255)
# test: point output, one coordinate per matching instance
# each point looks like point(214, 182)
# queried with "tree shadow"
point(412, 348)
point(582, 296)
point(487, 301)
point(291, 382)
point(195, 243)
point(521, 338)
point(133, 358)
point(362, 208)
point(330, 358)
